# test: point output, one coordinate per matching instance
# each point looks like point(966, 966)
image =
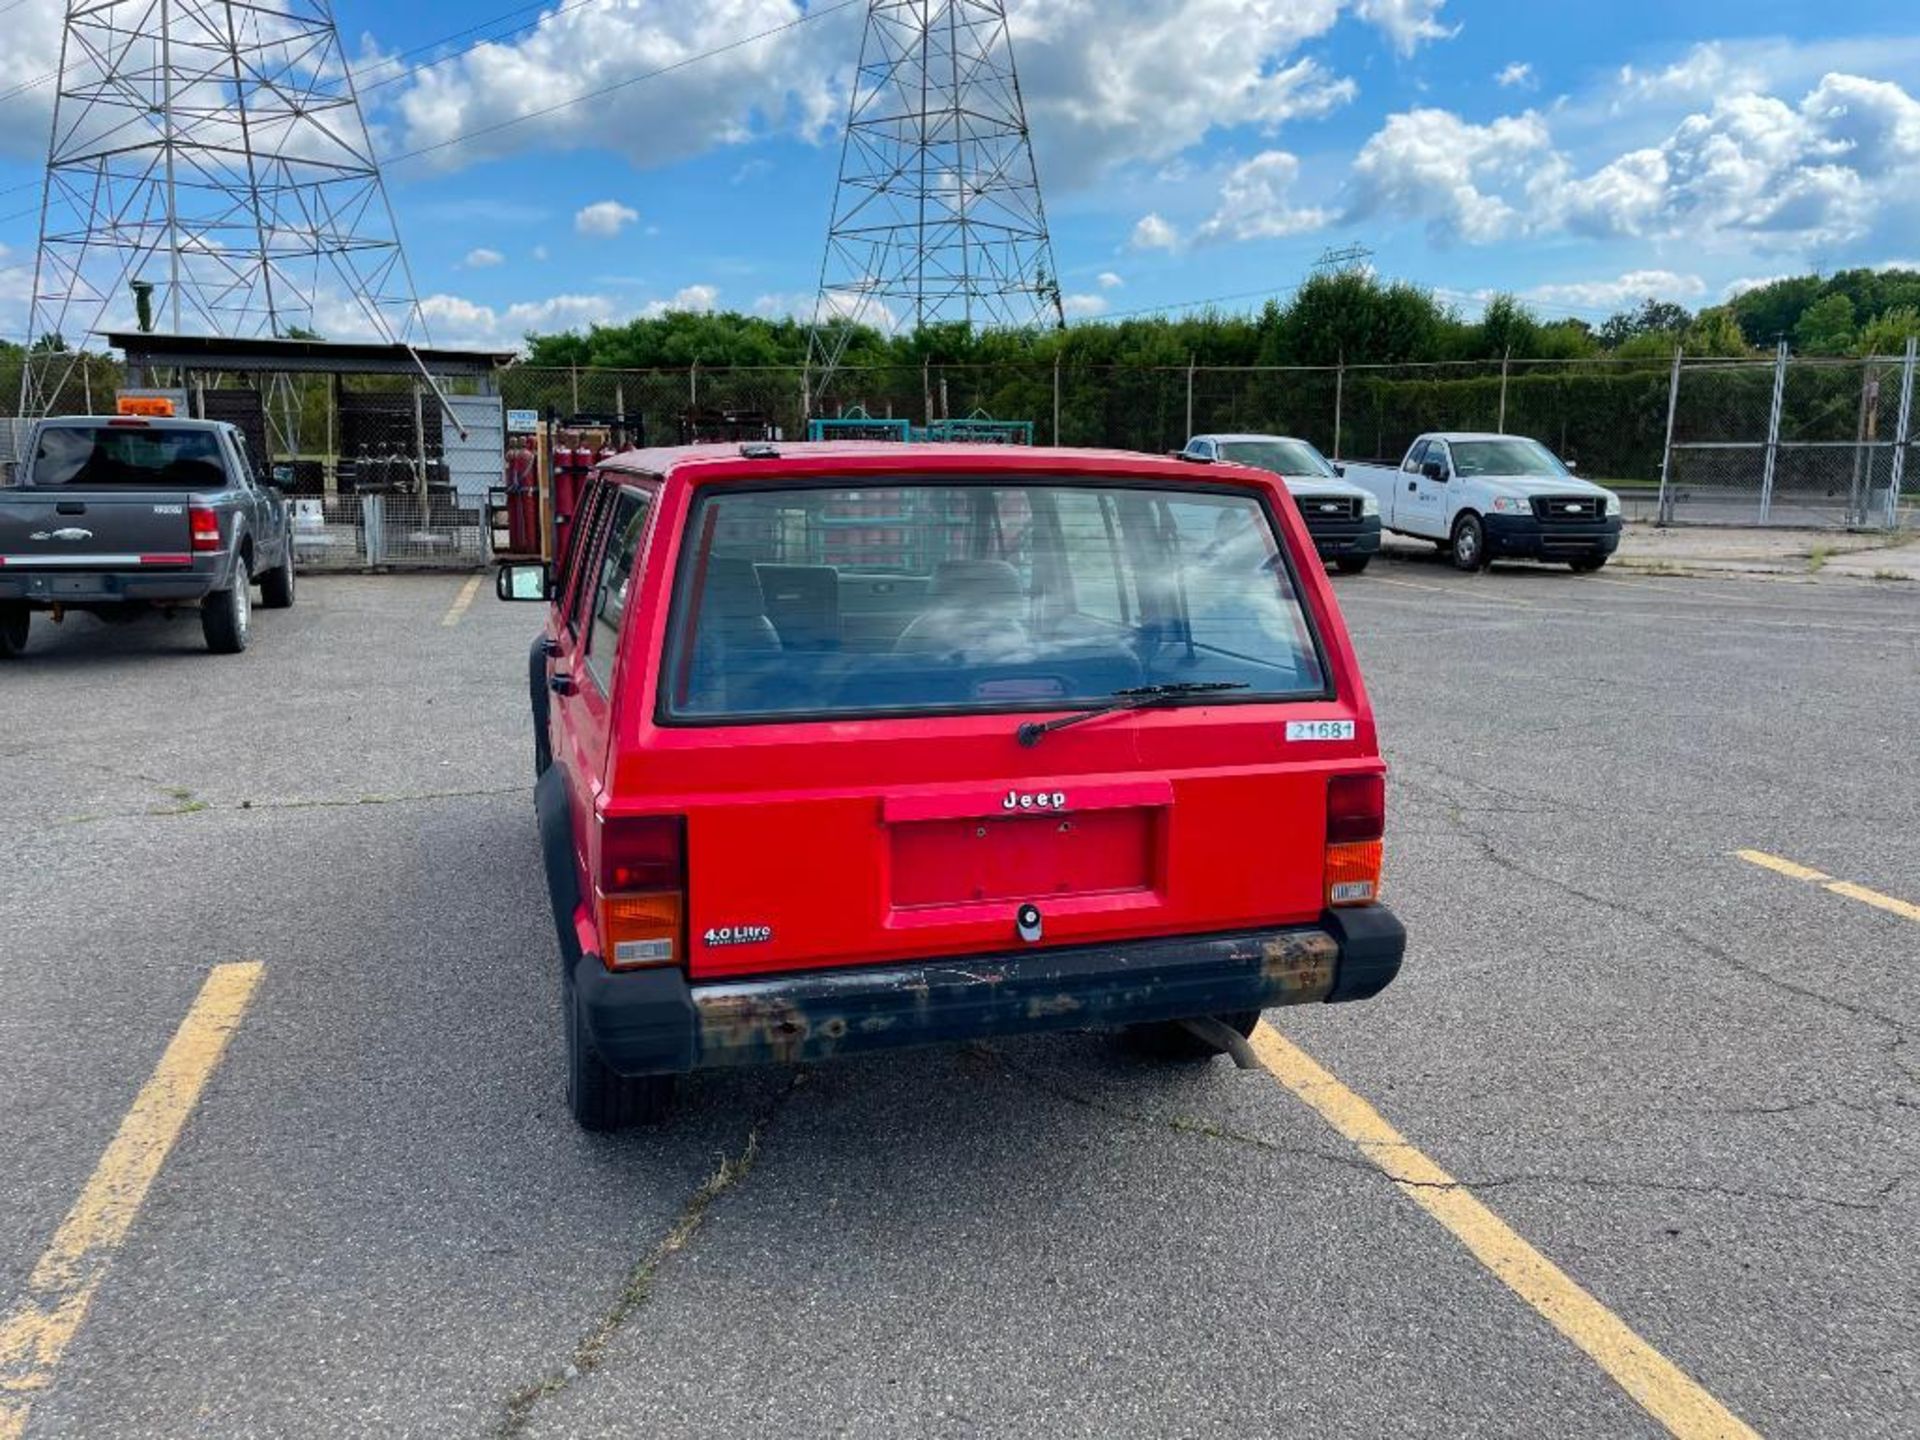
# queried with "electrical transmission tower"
point(937, 216)
point(210, 156)
point(1344, 260)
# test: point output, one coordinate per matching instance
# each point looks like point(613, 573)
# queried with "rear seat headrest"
point(975, 581)
point(732, 589)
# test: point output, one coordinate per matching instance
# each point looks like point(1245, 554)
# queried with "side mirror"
point(1572, 465)
point(529, 581)
point(1434, 470)
point(1340, 469)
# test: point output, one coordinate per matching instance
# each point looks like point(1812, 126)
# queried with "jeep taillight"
point(205, 526)
point(642, 891)
point(1356, 825)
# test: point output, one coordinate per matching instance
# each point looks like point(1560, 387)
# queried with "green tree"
point(1825, 327)
point(1887, 333)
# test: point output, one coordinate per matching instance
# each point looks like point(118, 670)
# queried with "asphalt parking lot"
point(1684, 1076)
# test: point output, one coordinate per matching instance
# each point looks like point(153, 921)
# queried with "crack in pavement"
point(192, 806)
point(637, 1289)
point(1490, 850)
point(1370, 1165)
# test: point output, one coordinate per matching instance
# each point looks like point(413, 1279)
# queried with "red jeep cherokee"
point(843, 747)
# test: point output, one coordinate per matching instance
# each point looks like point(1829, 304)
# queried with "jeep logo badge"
point(1039, 800)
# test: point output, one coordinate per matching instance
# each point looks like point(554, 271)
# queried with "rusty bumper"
point(654, 1022)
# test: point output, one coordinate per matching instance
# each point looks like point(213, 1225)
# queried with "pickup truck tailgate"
point(95, 531)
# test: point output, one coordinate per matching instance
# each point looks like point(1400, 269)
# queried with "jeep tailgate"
point(1111, 830)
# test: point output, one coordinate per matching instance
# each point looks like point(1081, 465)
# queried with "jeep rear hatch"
point(847, 676)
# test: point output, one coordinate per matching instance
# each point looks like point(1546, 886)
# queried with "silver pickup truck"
point(115, 515)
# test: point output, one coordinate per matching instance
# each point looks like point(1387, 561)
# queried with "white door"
point(1419, 502)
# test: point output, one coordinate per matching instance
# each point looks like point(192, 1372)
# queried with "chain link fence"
point(1783, 441)
point(1797, 442)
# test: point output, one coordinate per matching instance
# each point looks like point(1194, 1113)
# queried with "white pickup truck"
point(1491, 497)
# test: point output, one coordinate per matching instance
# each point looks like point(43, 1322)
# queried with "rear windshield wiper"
point(1140, 697)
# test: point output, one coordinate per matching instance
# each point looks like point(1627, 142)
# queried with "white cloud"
point(1734, 289)
point(1456, 175)
point(1254, 203)
point(1752, 170)
point(1702, 73)
point(1105, 81)
point(782, 82)
point(696, 298)
point(1407, 22)
point(1150, 232)
point(1627, 289)
point(1107, 280)
point(604, 217)
point(1084, 307)
point(539, 252)
point(482, 258)
point(33, 50)
point(1110, 81)
point(1517, 75)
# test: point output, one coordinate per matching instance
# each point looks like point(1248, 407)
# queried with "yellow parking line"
point(1906, 909)
point(461, 602)
point(1659, 1386)
point(1784, 867)
point(36, 1332)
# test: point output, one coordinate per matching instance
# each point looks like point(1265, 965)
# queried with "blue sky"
point(1581, 154)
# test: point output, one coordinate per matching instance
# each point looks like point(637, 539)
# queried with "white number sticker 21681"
point(1319, 729)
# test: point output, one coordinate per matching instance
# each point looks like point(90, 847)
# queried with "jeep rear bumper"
point(651, 1022)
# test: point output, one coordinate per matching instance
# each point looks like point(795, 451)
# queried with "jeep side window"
point(573, 541)
point(590, 520)
point(614, 584)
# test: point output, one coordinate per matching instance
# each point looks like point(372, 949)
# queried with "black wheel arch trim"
point(554, 809)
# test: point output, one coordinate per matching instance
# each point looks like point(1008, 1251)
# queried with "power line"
point(545, 111)
point(617, 85)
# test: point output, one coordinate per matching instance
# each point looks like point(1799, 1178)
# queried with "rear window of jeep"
point(830, 601)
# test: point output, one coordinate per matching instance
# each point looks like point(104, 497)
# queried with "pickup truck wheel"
point(601, 1098)
point(15, 621)
point(277, 585)
point(1352, 564)
point(1469, 543)
point(226, 616)
point(1587, 564)
point(1170, 1040)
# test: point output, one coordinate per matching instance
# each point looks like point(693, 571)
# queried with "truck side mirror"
point(527, 581)
point(1340, 469)
point(1434, 470)
point(1573, 466)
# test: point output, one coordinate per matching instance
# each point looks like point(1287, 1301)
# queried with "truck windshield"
point(910, 597)
point(1282, 457)
point(1504, 457)
point(104, 455)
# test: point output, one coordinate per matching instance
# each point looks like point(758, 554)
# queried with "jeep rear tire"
point(1170, 1040)
point(277, 585)
point(15, 621)
point(226, 616)
point(599, 1097)
point(1469, 543)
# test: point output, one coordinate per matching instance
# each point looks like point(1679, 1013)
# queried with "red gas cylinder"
point(523, 501)
point(566, 480)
